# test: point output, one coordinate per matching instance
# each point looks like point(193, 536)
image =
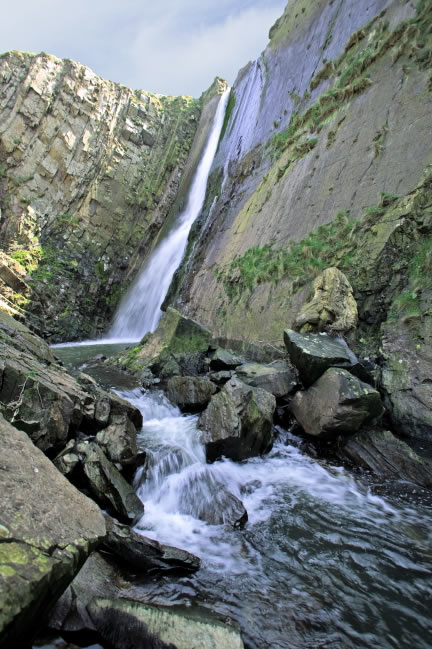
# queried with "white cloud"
point(187, 62)
point(163, 46)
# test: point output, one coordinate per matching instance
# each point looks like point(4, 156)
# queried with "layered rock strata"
point(89, 172)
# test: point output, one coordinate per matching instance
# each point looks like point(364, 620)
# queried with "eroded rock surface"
point(38, 396)
point(332, 308)
point(47, 529)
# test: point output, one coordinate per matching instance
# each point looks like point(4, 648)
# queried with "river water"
point(323, 561)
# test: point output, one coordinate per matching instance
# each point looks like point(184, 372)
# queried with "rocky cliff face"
point(89, 171)
point(325, 161)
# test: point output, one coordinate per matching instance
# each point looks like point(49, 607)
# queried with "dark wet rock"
point(224, 359)
point(337, 403)
point(220, 378)
point(107, 485)
point(313, 354)
point(119, 440)
point(381, 452)
point(210, 500)
point(98, 577)
point(67, 459)
point(47, 529)
point(125, 623)
point(141, 553)
point(190, 392)
point(279, 378)
point(223, 509)
point(238, 422)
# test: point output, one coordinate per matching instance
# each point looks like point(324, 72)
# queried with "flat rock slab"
point(278, 378)
point(224, 359)
point(158, 627)
point(337, 403)
point(142, 553)
point(313, 354)
point(47, 529)
point(381, 452)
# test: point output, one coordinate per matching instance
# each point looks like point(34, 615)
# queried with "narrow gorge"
point(215, 346)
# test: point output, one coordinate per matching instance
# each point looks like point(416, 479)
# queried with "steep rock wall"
point(373, 139)
point(89, 171)
point(325, 161)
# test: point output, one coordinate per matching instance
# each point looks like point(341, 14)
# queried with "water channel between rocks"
point(323, 561)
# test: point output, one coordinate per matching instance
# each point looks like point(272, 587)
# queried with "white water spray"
point(140, 311)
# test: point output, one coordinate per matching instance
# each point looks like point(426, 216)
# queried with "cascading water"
point(322, 562)
point(140, 311)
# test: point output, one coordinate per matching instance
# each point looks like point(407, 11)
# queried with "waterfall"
point(139, 311)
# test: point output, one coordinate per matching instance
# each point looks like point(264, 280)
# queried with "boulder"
point(47, 529)
point(313, 354)
point(220, 378)
point(332, 307)
point(141, 553)
point(238, 422)
point(108, 407)
point(337, 403)
point(173, 342)
point(223, 509)
point(279, 378)
point(190, 393)
point(107, 485)
point(126, 623)
point(381, 452)
point(119, 440)
point(67, 459)
point(205, 497)
point(224, 359)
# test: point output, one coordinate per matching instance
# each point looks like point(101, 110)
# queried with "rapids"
point(323, 560)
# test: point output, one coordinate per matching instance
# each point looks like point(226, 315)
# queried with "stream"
point(323, 561)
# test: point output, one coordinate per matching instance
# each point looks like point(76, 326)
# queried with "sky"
point(162, 46)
